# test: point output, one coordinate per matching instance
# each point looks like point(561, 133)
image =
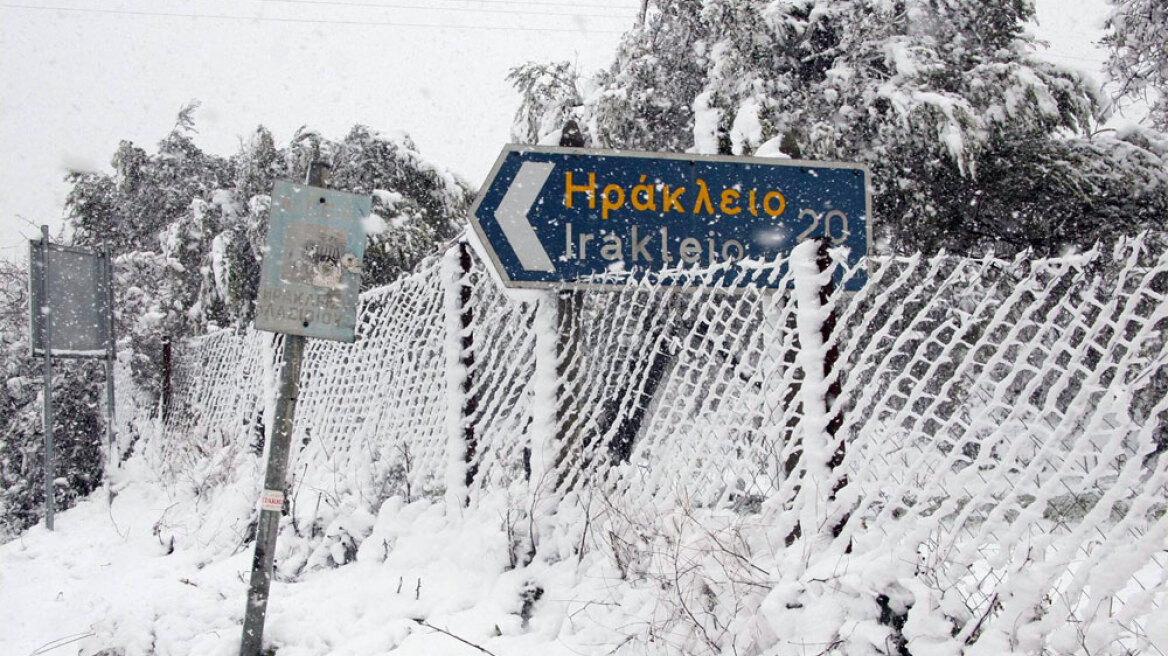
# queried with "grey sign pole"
point(112, 459)
point(272, 501)
point(47, 343)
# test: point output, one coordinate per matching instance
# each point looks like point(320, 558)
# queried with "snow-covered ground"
point(428, 579)
point(1035, 521)
point(105, 577)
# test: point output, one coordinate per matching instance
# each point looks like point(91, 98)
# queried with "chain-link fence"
point(1000, 423)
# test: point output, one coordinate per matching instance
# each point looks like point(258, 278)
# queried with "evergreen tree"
point(415, 203)
point(130, 209)
point(548, 96)
point(1137, 36)
point(206, 217)
point(970, 137)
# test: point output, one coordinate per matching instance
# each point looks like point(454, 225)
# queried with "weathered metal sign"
point(566, 217)
point(311, 273)
point(77, 307)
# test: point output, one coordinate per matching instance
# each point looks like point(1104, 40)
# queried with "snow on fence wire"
point(1001, 423)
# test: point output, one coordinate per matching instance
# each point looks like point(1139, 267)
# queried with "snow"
point(747, 129)
point(544, 388)
point(706, 120)
point(389, 199)
point(158, 566)
point(456, 376)
point(219, 246)
point(374, 224)
point(772, 148)
point(78, 353)
point(107, 576)
point(103, 562)
point(817, 451)
point(654, 563)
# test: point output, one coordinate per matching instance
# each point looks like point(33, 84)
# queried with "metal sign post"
point(46, 323)
point(111, 357)
point(308, 287)
point(582, 219)
point(272, 498)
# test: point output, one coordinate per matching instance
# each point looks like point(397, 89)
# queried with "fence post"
point(470, 401)
point(546, 392)
point(568, 305)
point(810, 266)
point(460, 361)
point(167, 373)
point(834, 386)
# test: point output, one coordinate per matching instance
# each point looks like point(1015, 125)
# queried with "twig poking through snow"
point(60, 642)
point(445, 632)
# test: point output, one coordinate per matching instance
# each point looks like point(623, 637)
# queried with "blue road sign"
point(568, 217)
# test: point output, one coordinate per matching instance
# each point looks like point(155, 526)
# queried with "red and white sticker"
point(272, 500)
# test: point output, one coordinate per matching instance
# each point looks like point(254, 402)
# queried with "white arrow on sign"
point(512, 215)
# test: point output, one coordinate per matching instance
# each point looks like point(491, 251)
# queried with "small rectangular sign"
point(272, 500)
point(311, 273)
point(567, 217)
point(77, 308)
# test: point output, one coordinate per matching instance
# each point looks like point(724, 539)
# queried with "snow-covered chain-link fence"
point(1001, 423)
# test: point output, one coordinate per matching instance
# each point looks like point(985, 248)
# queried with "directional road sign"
point(311, 273)
point(568, 217)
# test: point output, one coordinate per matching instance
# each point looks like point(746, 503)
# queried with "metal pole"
point(834, 388)
point(47, 345)
point(272, 500)
point(271, 509)
point(569, 304)
point(167, 373)
point(111, 356)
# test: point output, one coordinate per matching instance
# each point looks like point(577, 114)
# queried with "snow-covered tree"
point(206, 216)
point(970, 137)
point(548, 96)
point(416, 204)
point(1137, 36)
point(146, 193)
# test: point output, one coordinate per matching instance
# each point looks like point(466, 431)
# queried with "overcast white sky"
point(75, 83)
point(78, 76)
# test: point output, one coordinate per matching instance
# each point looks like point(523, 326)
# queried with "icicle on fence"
point(1005, 421)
